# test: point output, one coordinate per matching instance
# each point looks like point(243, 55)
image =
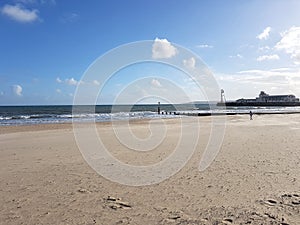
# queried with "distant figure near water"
point(251, 114)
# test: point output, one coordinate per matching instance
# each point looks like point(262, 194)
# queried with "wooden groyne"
point(223, 113)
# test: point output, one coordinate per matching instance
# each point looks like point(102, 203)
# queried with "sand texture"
point(255, 178)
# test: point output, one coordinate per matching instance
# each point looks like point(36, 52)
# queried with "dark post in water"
point(158, 108)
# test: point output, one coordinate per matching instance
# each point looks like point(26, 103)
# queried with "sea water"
point(22, 115)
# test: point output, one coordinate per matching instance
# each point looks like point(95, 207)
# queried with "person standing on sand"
point(251, 114)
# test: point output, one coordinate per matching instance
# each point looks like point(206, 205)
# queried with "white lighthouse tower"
point(223, 99)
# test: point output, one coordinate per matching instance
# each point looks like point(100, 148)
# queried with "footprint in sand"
point(116, 203)
point(227, 221)
point(296, 202)
point(270, 202)
point(292, 199)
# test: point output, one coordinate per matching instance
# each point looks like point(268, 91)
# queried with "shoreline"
point(62, 114)
point(56, 125)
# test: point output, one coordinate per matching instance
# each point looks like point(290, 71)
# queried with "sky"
point(47, 46)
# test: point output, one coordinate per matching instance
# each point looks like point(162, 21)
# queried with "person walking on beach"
point(251, 114)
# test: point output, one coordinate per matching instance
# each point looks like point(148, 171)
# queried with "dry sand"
point(253, 180)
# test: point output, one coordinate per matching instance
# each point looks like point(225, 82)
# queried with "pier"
point(224, 111)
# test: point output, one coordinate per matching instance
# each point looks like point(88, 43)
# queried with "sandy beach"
point(253, 180)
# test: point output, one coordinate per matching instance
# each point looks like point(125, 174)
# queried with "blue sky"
point(47, 45)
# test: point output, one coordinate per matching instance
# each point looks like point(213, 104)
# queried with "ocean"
point(25, 115)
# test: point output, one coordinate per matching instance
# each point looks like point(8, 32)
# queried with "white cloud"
point(204, 46)
point(51, 2)
point(58, 80)
point(26, 1)
point(265, 34)
point(239, 56)
point(58, 91)
point(163, 49)
point(283, 80)
point(71, 81)
point(155, 83)
point(189, 63)
point(70, 17)
point(19, 13)
point(290, 43)
point(296, 58)
point(17, 90)
point(274, 76)
point(95, 82)
point(267, 57)
point(264, 48)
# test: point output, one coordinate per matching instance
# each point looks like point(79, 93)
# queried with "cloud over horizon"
point(283, 80)
point(17, 90)
point(155, 83)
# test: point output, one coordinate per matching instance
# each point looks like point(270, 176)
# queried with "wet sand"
point(253, 180)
